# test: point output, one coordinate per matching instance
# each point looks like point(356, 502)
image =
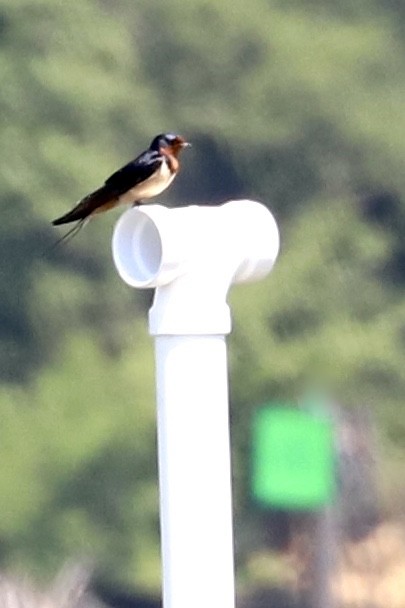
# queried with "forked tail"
point(87, 206)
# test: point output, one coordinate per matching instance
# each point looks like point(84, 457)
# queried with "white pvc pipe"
point(192, 255)
point(194, 466)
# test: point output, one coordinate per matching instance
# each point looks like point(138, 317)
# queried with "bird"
point(143, 178)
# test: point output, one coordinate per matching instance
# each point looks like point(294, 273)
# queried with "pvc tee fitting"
point(192, 255)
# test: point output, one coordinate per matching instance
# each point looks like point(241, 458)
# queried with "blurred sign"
point(292, 458)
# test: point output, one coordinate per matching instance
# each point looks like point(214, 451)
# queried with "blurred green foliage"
point(298, 104)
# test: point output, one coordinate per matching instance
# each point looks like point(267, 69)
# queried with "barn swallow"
point(143, 178)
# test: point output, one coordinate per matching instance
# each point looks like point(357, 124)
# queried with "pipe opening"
point(146, 249)
point(137, 248)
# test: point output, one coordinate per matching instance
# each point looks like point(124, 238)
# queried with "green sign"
point(292, 458)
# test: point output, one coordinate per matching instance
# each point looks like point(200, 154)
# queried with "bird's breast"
point(152, 186)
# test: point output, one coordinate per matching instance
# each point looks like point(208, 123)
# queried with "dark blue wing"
point(135, 172)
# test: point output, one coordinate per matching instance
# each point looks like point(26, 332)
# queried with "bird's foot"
point(136, 203)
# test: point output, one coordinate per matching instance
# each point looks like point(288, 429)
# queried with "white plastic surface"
point(194, 472)
point(192, 255)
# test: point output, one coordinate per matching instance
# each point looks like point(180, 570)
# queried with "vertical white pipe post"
point(194, 465)
point(192, 255)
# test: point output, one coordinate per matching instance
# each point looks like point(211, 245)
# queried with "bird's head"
point(169, 142)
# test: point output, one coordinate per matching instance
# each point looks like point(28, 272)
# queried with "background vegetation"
point(295, 103)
